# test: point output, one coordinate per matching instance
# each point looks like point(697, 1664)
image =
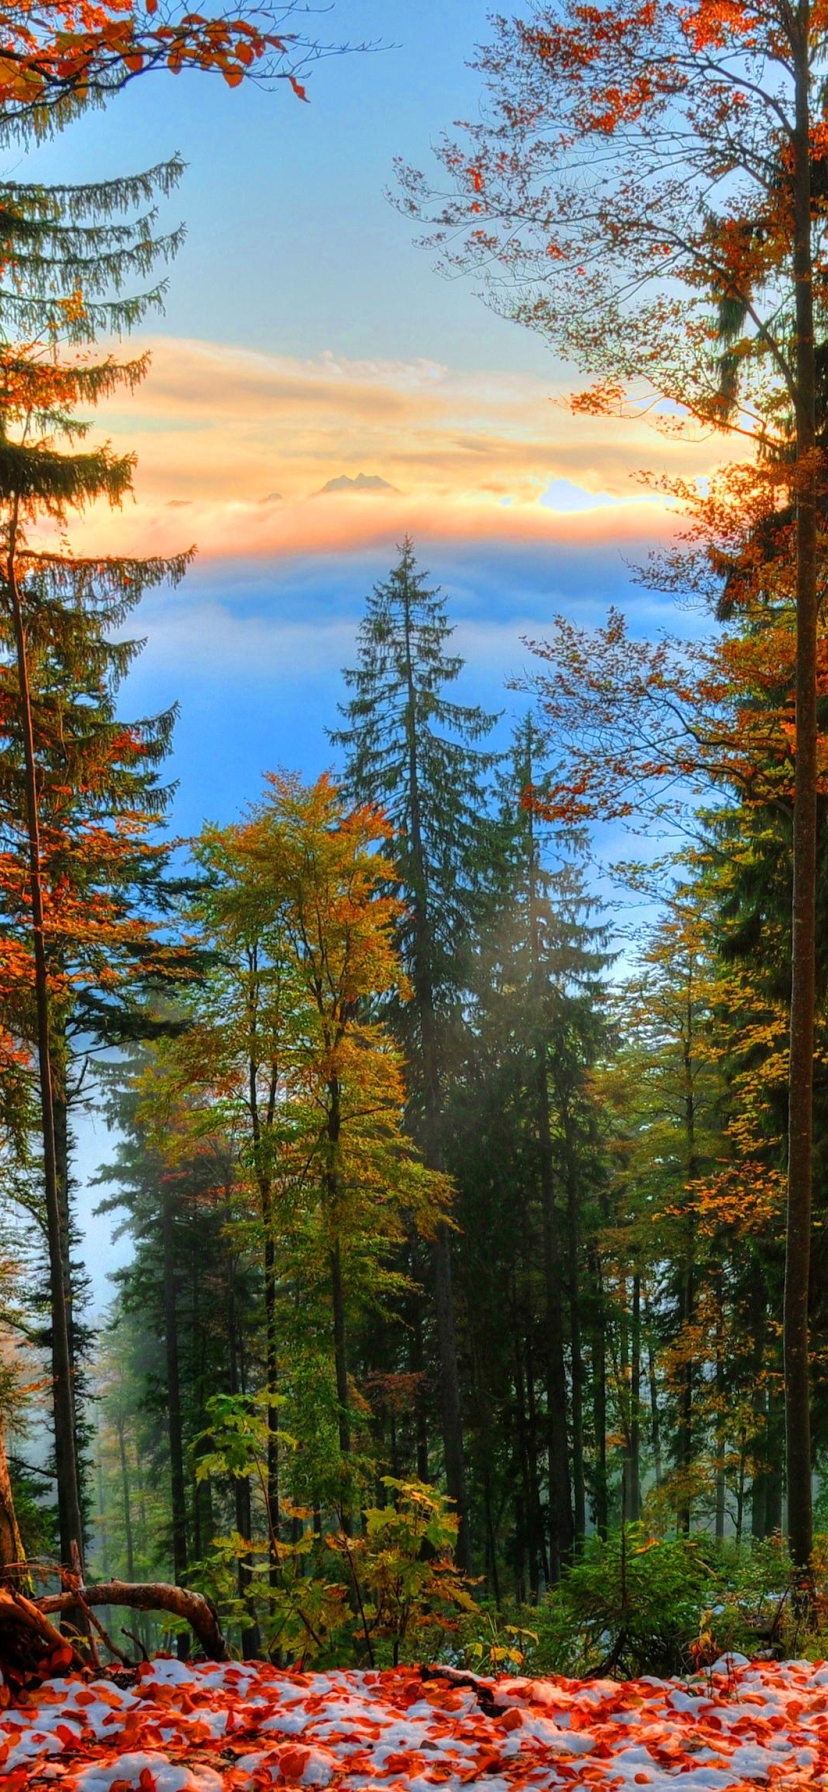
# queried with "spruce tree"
point(416, 752)
point(81, 851)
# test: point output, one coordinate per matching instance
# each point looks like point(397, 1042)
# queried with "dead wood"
point(150, 1596)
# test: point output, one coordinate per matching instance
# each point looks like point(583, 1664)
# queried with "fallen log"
point(150, 1596)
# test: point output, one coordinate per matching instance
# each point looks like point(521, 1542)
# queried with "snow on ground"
point(245, 1728)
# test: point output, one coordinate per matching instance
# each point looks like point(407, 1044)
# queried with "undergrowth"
point(638, 1604)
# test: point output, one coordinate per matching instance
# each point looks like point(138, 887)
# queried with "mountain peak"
point(364, 482)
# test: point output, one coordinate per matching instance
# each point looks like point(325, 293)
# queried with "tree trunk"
point(420, 1410)
point(687, 1291)
point(69, 1509)
point(272, 1378)
point(174, 1427)
point(721, 1402)
point(61, 1113)
point(560, 1507)
point(803, 936)
point(573, 1273)
point(340, 1351)
point(423, 983)
point(533, 1444)
point(684, 1452)
point(655, 1417)
point(561, 1530)
point(332, 1202)
point(635, 1404)
point(599, 1401)
point(12, 1558)
point(127, 1504)
point(523, 1460)
point(263, 1168)
point(251, 1641)
point(450, 1388)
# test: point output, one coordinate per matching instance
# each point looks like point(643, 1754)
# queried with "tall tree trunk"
point(803, 937)
point(452, 1426)
point(251, 1641)
point(635, 1404)
point(332, 1202)
point(759, 1407)
point(423, 983)
point(721, 1402)
point(775, 1473)
point(69, 1508)
point(125, 1498)
point(271, 1375)
point(264, 1179)
point(576, 1356)
point(684, 1452)
point(687, 1291)
point(420, 1406)
point(655, 1417)
point(599, 1399)
point(623, 1378)
point(522, 1428)
point(60, 1106)
point(177, 1483)
point(561, 1529)
point(534, 1447)
point(560, 1507)
point(340, 1350)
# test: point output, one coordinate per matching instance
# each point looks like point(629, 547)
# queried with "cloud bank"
point(234, 447)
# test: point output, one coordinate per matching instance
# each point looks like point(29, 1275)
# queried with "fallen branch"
point(151, 1596)
point(482, 1689)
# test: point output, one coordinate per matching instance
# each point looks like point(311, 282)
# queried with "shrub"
point(638, 1604)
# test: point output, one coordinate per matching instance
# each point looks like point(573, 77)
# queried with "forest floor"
point(175, 1727)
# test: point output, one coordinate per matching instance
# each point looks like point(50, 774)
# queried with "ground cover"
point(175, 1727)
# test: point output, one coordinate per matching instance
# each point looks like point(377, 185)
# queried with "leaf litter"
point(246, 1727)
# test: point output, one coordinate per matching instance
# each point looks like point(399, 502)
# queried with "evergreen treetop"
point(412, 749)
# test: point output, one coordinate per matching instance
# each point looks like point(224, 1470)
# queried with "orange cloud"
point(234, 446)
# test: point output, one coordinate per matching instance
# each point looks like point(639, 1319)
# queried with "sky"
point(306, 336)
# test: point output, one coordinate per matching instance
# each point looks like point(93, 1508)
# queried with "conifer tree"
point(415, 751)
point(69, 881)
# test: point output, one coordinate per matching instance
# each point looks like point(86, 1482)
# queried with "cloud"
point(483, 456)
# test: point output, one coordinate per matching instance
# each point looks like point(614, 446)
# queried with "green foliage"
point(37, 1522)
point(638, 1604)
point(238, 1433)
point(389, 1594)
point(499, 1643)
point(635, 1601)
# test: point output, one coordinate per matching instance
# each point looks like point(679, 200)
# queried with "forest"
point(466, 1105)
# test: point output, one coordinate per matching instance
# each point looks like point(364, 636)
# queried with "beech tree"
point(285, 1058)
point(645, 188)
point(57, 59)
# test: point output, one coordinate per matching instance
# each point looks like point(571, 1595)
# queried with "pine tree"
point(413, 750)
point(70, 879)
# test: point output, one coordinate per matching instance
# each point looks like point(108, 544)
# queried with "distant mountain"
point(364, 482)
point(272, 498)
